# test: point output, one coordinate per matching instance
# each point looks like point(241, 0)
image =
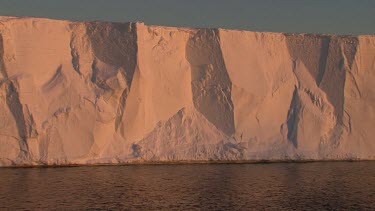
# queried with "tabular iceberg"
point(102, 93)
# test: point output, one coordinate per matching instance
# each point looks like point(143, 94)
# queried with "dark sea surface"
point(276, 186)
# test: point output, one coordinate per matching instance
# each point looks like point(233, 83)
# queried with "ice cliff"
point(98, 92)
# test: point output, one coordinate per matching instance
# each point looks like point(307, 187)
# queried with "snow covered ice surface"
point(103, 93)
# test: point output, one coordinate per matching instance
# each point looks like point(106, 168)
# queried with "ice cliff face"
point(95, 92)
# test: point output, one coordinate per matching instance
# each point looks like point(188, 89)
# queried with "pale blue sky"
point(310, 16)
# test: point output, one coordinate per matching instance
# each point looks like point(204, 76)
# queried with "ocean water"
point(276, 186)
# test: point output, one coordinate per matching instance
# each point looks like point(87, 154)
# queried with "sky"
point(293, 16)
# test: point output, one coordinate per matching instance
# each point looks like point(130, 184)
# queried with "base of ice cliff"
point(101, 93)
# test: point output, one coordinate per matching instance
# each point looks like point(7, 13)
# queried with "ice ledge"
point(141, 23)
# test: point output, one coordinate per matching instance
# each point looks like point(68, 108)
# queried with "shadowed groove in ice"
point(114, 44)
point(211, 85)
point(324, 57)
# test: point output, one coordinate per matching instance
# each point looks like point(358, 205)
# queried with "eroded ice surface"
point(98, 92)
